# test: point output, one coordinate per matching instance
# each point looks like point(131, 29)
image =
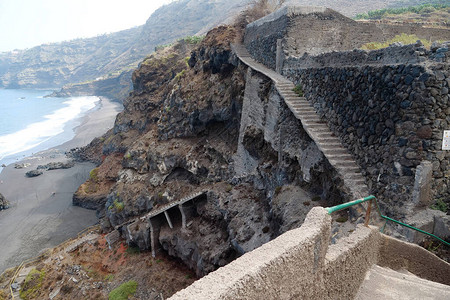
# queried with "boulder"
point(3, 203)
point(33, 173)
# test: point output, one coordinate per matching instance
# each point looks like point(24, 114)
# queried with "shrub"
point(133, 250)
point(341, 219)
point(123, 291)
point(298, 90)
point(109, 277)
point(440, 205)
point(93, 175)
point(32, 284)
point(193, 39)
point(119, 206)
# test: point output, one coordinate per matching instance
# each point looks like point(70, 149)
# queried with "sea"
point(30, 122)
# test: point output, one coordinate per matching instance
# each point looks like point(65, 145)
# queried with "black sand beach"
point(41, 214)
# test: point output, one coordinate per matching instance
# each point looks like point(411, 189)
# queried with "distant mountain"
point(81, 60)
point(114, 55)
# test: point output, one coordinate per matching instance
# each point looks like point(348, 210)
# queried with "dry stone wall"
point(390, 116)
point(315, 30)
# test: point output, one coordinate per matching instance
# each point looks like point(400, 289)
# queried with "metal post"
point(369, 208)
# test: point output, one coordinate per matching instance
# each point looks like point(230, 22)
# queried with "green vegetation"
point(440, 205)
point(93, 175)
point(133, 250)
point(298, 90)
point(109, 277)
point(32, 284)
point(128, 156)
point(161, 47)
point(193, 39)
point(316, 198)
point(419, 9)
point(119, 206)
point(180, 75)
point(341, 219)
point(123, 291)
point(403, 38)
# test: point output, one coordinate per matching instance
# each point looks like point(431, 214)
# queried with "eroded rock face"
point(195, 123)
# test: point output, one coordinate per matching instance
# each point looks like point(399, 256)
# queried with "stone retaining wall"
point(391, 117)
point(315, 30)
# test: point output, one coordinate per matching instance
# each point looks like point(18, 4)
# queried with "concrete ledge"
point(284, 268)
point(348, 261)
point(300, 264)
point(397, 255)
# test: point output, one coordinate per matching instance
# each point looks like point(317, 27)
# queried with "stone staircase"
point(79, 242)
point(317, 129)
point(384, 283)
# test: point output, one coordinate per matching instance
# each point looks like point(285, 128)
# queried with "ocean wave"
point(37, 133)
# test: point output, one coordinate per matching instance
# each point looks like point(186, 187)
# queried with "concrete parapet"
point(397, 255)
point(273, 270)
point(300, 264)
point(348, 260)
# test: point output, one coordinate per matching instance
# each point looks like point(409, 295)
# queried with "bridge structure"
point(150, 223)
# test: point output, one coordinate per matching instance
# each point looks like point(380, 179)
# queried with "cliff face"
point(179, 134)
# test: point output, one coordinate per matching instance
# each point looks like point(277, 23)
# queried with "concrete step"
point(339, 156)
point(326, 140)
point(330, 152)
point(350, 172)
point(344, 163)
point(308, 111)
point(302, 105)
point(384, 283)
point(311, 120)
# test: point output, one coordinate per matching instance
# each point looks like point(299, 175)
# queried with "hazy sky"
point(28, 23)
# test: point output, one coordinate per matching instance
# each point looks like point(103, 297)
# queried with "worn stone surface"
point(422, 186)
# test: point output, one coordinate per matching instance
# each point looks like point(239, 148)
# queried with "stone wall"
point(390, 117)
point(316, 30)
point(261, 39)
point(270, 164)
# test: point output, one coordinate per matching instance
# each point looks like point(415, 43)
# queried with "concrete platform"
point(383, 283)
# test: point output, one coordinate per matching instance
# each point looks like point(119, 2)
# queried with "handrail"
point(371, 198)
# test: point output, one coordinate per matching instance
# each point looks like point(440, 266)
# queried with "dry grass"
point(403, 38)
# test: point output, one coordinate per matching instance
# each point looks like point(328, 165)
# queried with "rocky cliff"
point(198, 120)
point(179, 134)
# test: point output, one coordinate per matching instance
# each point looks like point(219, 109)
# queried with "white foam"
point(37, 133)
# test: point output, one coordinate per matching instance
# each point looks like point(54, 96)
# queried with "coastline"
point(41, 214)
